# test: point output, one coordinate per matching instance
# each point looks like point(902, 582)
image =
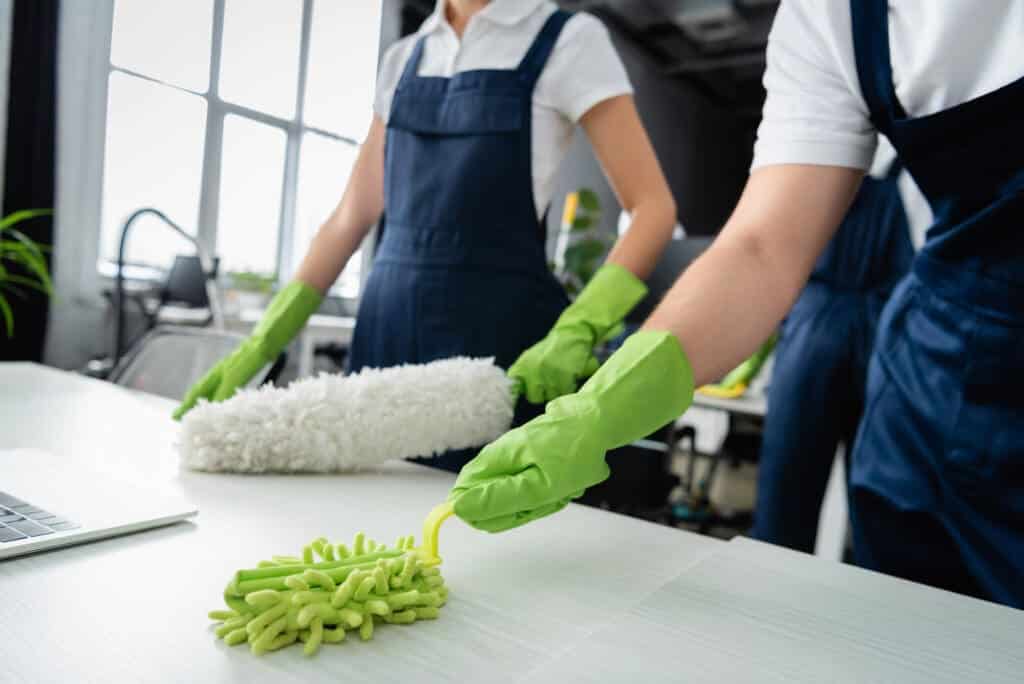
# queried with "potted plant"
point(580, 246)
point(249, 290)
point(22, 264)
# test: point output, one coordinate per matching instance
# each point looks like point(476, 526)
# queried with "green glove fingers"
point(204, 388)
point(290, 599)
point(554, 366)
point(507, 522)
point(283, 320)
point(243, 367)
point(535, 470)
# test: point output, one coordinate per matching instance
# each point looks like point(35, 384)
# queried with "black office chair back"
point(186, 282)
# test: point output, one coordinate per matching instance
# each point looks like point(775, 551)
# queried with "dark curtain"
point(30, 164)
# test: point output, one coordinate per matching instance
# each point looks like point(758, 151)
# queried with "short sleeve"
point(813, 113)
point(390, 71)
point(583, 70)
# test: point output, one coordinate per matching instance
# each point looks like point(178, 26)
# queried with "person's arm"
point(717, 313)
point(628, 160)
point(334, 244)
point(555, 365)
point(357, 212)
point(736, 293)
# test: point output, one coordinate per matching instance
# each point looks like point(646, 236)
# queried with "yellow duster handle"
point(431, 531)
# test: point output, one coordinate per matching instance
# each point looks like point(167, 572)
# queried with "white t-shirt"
point(582, 71)
point(943, 53)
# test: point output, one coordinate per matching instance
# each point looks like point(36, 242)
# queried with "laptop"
point(49, 502)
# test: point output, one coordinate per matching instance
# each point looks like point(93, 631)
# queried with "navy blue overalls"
point(461, 268)
point(937, 479)
point(816, 395)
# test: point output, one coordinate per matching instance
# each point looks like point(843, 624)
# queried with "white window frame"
point(87, 30)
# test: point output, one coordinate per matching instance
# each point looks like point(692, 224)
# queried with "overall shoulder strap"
point(413, 63)
point(895, 168)
point(870, 22)
point(537, 56)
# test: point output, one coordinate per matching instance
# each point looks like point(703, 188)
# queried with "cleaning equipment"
point(285, 316)
point(554, 366)
point(536, 469)
point(335, 423)
point(299, 598)
point(738, 380)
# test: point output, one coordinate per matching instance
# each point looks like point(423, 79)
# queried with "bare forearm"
point(650, 229)
point(726, 304)
point(328, 253)
point(629, 162)
point(732, 298)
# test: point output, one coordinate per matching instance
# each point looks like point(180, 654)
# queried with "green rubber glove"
point(283, 320)
point(538, 468)
point(555, 365)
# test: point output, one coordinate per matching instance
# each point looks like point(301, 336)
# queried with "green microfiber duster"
point(289, 599)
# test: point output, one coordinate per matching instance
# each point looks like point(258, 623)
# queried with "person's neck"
point(459, 12)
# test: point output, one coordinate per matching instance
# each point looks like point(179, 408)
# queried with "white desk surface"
point(582, 594)
point(134, 608)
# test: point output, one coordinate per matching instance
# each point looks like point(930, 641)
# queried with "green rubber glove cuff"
point(284, 318)
point(554, 366)
point(604, 302)
point(536, 469)
point(646, 384)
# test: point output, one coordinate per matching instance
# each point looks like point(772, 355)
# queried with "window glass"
point(251, 181)
point(260, 56)
point(324, 167)
point(342, 67)
point(168, 41)
point(153, 158)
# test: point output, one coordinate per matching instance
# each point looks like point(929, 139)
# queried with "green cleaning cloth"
point(291, 599)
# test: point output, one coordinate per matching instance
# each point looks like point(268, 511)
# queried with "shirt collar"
point(505, 12)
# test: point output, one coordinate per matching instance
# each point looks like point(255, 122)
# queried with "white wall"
point(6, 14)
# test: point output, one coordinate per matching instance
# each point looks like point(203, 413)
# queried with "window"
point(239, 119)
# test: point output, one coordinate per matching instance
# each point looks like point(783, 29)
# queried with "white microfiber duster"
point(335, 423)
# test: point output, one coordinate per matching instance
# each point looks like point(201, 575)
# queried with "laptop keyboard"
point(21, 520)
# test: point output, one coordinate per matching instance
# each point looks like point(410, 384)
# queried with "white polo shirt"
point(582, 71)
point(943, 52)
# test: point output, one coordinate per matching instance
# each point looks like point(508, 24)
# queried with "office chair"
point(170, 359)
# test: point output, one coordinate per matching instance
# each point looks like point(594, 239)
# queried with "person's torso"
point(490, 45)
point(943, 53)
point(967, 157)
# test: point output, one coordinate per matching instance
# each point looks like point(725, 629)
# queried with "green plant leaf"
point(25, 240)
point(589, 200)
point(581, 223)
point(26, 254)
point(23, 215)
point(18, 253)
point(8, 315)
point(26, 282)
point(581, 259)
